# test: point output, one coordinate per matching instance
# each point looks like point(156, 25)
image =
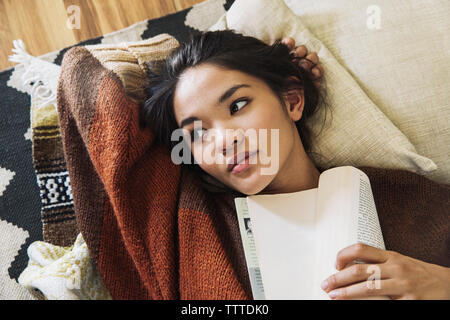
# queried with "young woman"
point(221, 82)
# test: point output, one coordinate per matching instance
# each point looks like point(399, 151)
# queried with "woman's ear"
point(294, 100)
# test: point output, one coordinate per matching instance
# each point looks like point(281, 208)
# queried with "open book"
point(291, 240)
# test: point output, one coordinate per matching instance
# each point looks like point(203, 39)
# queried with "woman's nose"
point(229, 140)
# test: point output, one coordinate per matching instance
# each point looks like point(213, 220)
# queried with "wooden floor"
point(42, 24)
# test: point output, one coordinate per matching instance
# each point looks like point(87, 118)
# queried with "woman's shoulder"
point(400, 177)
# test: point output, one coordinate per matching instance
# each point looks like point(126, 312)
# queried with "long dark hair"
point(273, 64)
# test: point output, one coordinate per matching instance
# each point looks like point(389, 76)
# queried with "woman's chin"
point(251, 184)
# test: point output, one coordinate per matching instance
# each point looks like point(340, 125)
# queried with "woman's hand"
point(388, 274)
point(309, 62)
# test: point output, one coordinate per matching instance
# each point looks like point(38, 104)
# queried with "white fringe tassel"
point(40, 75)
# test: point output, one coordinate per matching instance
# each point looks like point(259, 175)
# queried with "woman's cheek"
point(266, 118)
point(207, 160)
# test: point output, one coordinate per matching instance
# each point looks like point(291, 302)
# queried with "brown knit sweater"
point(152, 229)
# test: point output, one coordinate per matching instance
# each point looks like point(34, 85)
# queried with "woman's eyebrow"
point(222, 98)
point(187, 121)
point(230, 92)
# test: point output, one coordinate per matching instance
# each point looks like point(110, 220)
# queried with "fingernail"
point(324, 285)
point(304, 65)
point(333, 294)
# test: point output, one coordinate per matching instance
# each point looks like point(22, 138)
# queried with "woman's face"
point(233, 122)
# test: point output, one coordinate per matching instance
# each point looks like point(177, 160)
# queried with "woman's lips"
point(240, 162)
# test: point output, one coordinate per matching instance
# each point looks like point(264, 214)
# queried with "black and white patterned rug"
point(20, 200)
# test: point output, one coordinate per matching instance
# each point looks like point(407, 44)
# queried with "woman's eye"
point(238, 105)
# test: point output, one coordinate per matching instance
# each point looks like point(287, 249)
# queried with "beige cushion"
point(403, 66)
point(357, 133)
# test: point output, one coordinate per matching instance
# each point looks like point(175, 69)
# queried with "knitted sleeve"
point(123, 182)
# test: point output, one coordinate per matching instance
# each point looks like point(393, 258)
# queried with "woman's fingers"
point(392, 274)
point(388, 287)
point(289, 42)
point(317, 71)
point(300, 51)
point(309, 62)
point(313, 57)
point(360, 251)
point(354, 274)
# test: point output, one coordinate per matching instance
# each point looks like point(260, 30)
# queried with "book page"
point(283, 228)
point(369, 229)
point(337, 209)
point(345, 215)
point(248, 243)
